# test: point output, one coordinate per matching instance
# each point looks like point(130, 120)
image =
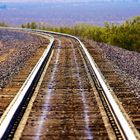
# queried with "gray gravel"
point(16, 48)
point(125, 63)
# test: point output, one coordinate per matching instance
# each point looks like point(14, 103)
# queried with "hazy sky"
point(54, 0)
point(59, 0)
point(44, 0)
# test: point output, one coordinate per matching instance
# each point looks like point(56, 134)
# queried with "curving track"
point(70, 100)
point(65, 107)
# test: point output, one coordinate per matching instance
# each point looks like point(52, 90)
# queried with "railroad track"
point(68, 99)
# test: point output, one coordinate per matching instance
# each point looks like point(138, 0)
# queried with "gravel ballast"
point(16, 47)
point(125, 63)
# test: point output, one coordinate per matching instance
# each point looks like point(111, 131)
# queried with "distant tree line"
point(3, 24)
point(32, 25)
point(125, 35)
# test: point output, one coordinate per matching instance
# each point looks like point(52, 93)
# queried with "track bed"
point(65, 107)
point(27, 56)
point(124, 93)
point(67, 97)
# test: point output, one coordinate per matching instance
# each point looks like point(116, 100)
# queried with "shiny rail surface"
point(118, 116)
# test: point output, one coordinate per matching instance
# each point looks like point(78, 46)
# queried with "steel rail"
point(17, 101)
point(124, 125)
point(117, 113)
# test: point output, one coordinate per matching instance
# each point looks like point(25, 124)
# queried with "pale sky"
point(45, 0)
point(58, 0)
point(54, 0)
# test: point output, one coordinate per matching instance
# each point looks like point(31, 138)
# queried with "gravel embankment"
point(16, 48)
point(125, 63)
